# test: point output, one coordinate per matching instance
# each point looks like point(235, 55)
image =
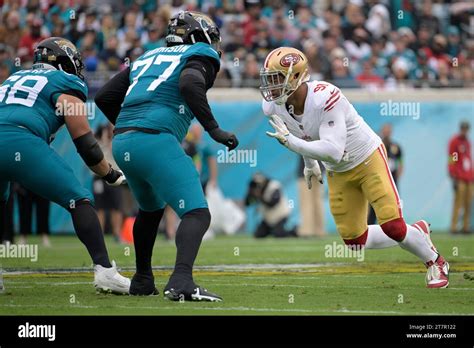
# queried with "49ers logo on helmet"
point(289, 58)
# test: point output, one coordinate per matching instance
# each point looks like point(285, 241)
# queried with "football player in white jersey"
point(315, 120)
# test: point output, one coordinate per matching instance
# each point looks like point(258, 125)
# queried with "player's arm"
point(85, 142)
point(196, 78)
point(110, 97)
point(332, 134)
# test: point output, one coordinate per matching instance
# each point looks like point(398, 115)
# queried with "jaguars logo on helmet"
point(188, 28)
point(60, 53)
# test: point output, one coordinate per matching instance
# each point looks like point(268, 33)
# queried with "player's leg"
point(457, 204)
point(44, 172)
point(379, 188)
point(467, 207)
point(133, 154)
point(176, 180)
point(349, 209)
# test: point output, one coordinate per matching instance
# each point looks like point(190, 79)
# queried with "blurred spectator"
point(5, 72)
point(109, 55)
point(400, 71)
point(311, 206)
point(357, 47)
point(108, 199)
point(30, 39)
point(251, 71)
point(368, 78)
point(26, 201)
point(438, 53)
point(366, 30)
point(454, 41)
point(155, 39)
point(395, 162)
point(378, 21)
point(11, 33)
point(461, 171)
point(272, 205)
point(404, 53)
point(340, 74)
point(427, 19)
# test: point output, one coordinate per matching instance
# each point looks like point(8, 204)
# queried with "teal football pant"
point(28, 160)
point(158, 172)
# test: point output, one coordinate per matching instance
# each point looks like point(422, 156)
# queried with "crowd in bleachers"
point(353, 43)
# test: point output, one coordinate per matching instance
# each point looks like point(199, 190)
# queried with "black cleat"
point(198, 294)
point(143, 285)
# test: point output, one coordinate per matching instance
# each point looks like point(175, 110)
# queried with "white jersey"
point(329, 122)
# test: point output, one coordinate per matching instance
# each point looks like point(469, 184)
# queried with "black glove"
point(224, 138)
point(114, 177)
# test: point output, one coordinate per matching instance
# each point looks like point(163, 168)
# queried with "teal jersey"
point(153, 99)
point(28, 99)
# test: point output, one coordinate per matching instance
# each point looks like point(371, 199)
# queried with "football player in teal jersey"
point(34, 104)
point(152, 104)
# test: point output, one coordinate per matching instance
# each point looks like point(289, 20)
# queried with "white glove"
point(313, 171)
point(281, 132)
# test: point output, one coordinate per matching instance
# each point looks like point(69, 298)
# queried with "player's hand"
point(224, 138)
point(313, 171)
point(115, 177)
point(281, 132)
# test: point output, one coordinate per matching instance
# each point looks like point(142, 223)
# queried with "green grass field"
point(255, 277)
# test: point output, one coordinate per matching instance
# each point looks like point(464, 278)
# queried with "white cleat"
point(110, 280)
point(437, 276)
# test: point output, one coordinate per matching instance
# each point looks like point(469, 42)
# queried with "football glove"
point(224, 138)
point(281, 132)
point(114, 177)
point(313, 171)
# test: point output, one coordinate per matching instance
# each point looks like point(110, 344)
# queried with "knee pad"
point(395, 229)
point(358, 242)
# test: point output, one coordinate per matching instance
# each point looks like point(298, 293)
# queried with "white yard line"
point(240, 308)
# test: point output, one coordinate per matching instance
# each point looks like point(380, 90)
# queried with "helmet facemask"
point(275, 85)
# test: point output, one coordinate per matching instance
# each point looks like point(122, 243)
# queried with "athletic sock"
point(377, 239)
point(416, 243)
point(87, 227)
point(192, 228)
point(145, 229)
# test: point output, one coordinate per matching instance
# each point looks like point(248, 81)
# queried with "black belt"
point(138, 129)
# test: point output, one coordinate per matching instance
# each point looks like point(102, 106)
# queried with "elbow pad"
point(89, 149)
